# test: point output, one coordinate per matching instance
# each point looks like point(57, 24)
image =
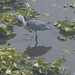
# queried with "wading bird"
point(34, 25)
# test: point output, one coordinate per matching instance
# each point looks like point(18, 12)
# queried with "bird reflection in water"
point(36, 50)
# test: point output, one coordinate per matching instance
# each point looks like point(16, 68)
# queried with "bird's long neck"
point(24, 23)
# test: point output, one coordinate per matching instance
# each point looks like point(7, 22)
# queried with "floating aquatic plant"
point(68, 26)
point(72, 5)
point(10, 4)
point(46, 14)
point(68, 29)
point(4, 30)
point(17, 63)
point(6, 20)
point(65, 37)
point(30, 12)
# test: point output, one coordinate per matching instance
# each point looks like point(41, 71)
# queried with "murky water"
point(48, 47)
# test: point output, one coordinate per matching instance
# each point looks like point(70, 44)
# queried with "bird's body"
point(37, 25)
point(34, 25)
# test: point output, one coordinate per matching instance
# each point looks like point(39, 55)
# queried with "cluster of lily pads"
point(72, 5)
point(66, 28)
point(12, 63)
point(10, 4)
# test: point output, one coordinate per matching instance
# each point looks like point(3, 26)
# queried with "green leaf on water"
point(34, 0)
point(69, 29)
point(30, 12)
point(73, 51)
point(10, 21)
point(74, 19)
point(61, 26)
point(16, 72)
point(65, 9)
point(60, 7)
point(68, 26)
point(56, 23)
point(72, 4)
point(63, 68)
point(54, 5)
point(66, 51)
point(3, 29)
point(46, 14)
point(21, 11)
point(65, 37)
point(1, 17)
point(8, 71)
point(55, 64)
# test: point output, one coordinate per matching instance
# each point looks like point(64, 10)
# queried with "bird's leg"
point(36, 43)
point(36, 37)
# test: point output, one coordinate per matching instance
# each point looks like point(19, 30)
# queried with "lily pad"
point(6, 8)
point(7, 18)
point(4, 30)
point(66, 6)
point(68, 26)
point(63, 68)
point(46, 14)
point(30, 12)
point(54, 5)
point(72, 5)
point(10, 21)
point(65, 37)
point(34, 0)
point(8, 71)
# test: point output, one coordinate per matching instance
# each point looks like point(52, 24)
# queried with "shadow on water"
point(3, 40)
point(36, 50)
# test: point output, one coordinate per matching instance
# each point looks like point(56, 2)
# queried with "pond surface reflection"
point(36, 50)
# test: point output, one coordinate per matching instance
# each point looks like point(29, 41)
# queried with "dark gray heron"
point(30, 25)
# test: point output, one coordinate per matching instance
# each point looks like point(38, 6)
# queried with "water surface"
point(46, 39)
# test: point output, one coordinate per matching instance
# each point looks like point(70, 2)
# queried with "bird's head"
point(18, 17)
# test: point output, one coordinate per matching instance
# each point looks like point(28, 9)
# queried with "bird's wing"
point(36, 25)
